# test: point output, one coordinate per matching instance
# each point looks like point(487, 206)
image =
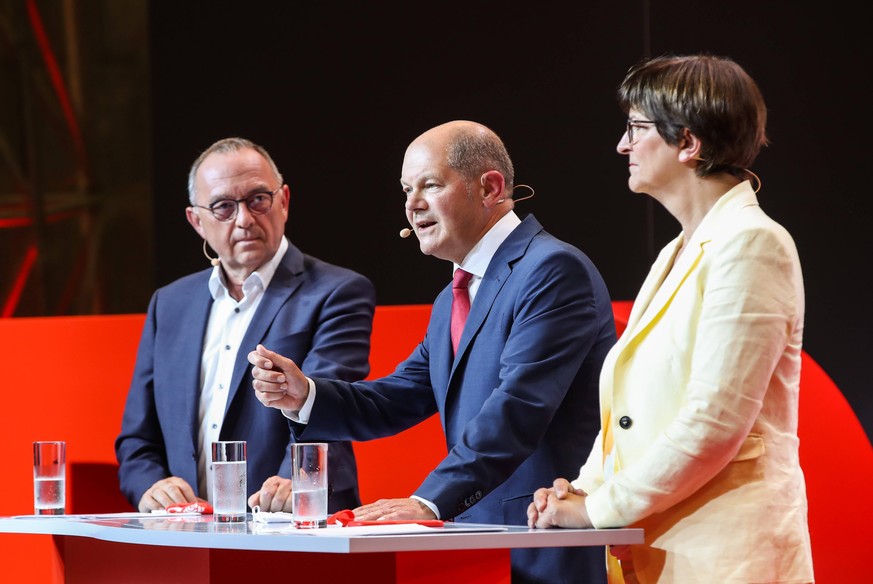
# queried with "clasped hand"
point(278, 382)
point(561, 505)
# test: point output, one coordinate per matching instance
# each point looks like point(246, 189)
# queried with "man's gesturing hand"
point(278, 382)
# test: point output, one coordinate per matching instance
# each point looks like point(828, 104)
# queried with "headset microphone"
point(405, 232)
point(214, 261)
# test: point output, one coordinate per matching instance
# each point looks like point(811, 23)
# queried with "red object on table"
point(199, 507)
point(342, 517)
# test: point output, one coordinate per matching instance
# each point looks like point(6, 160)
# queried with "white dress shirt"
point(227, 325)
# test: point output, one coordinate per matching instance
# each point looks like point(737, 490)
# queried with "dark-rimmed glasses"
point(637, 125)
point(226, 209)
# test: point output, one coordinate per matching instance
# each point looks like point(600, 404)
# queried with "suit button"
point(625, 422)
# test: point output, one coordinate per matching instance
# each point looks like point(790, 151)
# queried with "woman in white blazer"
point(699, 397)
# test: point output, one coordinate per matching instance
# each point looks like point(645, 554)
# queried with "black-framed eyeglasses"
point(257, 203)
point(633, 125)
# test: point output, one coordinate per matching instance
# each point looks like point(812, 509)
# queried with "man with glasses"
point(191, 384)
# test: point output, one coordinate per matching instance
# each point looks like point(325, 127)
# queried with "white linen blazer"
point(701, 392)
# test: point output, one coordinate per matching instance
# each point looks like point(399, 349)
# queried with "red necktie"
point(460, 305)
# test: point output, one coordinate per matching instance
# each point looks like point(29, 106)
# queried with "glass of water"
point(229, 481)
point(49, 477)
point(309, 484)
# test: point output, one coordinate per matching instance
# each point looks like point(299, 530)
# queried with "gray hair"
point(226, 146)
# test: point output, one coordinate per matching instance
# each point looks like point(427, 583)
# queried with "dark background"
point(336, 90)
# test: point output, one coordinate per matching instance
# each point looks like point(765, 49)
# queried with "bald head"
point(470, 148)
point(457, 179)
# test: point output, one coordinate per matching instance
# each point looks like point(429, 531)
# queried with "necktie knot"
point(461, 279)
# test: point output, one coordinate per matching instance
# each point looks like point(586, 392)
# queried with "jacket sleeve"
point(140, 447)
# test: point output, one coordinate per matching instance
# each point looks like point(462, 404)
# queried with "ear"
point(689, 147)
point(493, 188)
point(285, 198)
point(194, 220)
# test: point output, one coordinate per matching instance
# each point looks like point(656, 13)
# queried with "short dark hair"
point(713, 97)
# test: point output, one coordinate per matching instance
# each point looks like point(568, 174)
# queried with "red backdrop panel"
point(66, 378)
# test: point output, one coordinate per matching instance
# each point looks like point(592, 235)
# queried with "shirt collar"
point(480, 256)
point(260, 277)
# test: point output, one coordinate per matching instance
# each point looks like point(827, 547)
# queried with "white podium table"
point(136, 548)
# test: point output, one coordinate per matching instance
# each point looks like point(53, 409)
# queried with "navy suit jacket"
point(317, 314)
point(518, 403)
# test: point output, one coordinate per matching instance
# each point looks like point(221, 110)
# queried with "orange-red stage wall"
point(66, 378)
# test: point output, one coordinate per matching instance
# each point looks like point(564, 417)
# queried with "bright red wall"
point(66, 378)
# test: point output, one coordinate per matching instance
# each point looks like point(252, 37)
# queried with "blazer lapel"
point(193, 309)
point(663, 282)
point(439, 343)
point(286, 280)
point(499, 270)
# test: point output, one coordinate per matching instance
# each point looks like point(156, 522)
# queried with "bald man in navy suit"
point(518, 399)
